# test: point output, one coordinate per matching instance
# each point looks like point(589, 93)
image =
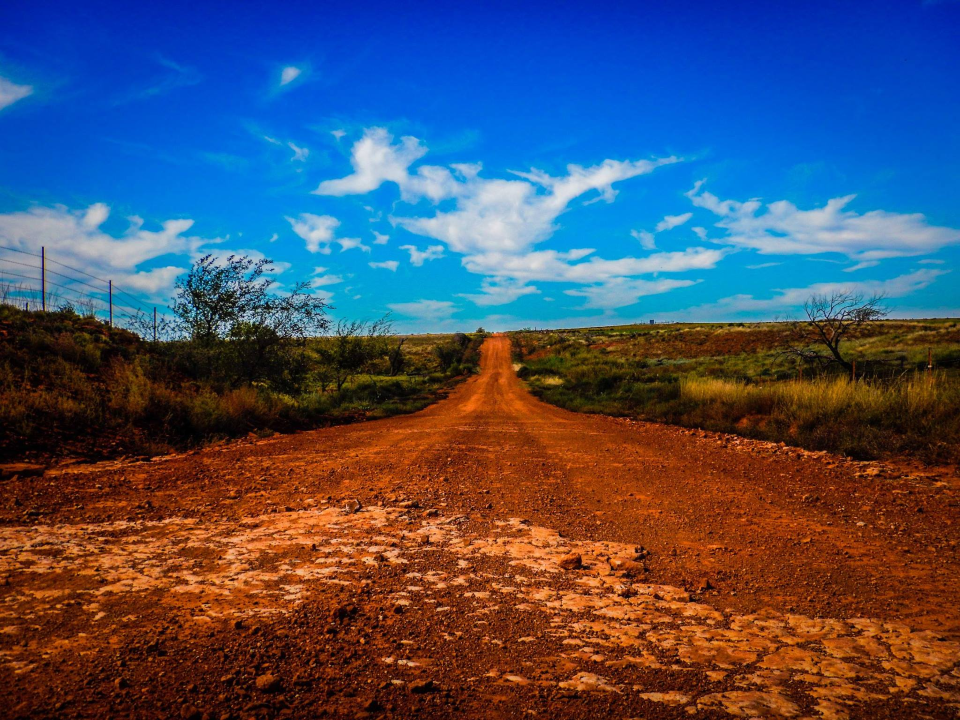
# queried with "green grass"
point(733, 378)
point(70, 385)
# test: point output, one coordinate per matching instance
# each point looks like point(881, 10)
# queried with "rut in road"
point(508, 558)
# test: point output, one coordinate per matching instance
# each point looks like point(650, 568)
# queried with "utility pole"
point(43, 278)
point(154, 323)
point(110, 299)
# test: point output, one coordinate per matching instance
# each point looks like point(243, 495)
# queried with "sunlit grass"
point(733, 379)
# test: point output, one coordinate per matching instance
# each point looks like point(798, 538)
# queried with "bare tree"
point(396, 358)
point(831, 319)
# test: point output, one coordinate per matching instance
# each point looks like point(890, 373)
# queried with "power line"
point(94, 301)
point(82, 272)
point(17, 250)
point(54, 272)
point(144, 307)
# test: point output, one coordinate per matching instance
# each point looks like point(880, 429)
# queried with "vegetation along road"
point(489, 556)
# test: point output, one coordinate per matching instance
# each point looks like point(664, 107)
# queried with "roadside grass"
point(732, 378)
point(70, 385)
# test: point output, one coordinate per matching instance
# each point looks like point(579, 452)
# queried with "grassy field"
point(72, 386)
point(735, 378)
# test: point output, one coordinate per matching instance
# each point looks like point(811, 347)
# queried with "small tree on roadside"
point(831, 319)
point(251, 334)
point(215, 295)
point(352, 346)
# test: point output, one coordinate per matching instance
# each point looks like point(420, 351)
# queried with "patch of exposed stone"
point(605, 618)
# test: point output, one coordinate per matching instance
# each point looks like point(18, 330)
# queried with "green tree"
point(240, 327)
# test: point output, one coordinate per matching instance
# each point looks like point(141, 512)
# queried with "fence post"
point(110, 299)
point(853, 371)
point(154, 323)
point(43, 278)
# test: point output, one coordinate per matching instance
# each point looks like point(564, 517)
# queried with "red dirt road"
point(510, 559)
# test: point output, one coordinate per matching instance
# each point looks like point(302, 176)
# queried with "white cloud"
point(790, 301)
point(322, 278)
point(289, 74)
point(338, 134)
point(380, 238)
point(784, 229)
point(351, 243)
point(299, 153)
point(319, 232)
point(430, 310)
point(862, 265)
point(497, 223)
point(419, 257)
point(220, 257)
point(499, 292)
point(671, 221)
point(10, 92)
point(375, 160)
point(553, 266)
point(621, 291)
point(511, 215)
point(646, 238)
point(75, 238)
point(274, 238)
point(390, 265)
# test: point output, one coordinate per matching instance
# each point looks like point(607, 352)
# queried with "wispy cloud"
point(175, 76)
point(788, 301)
point(429, 310)
point(647, 239)
point(10, 92)
point(499, 293)
point(76, 237)
point(784, 229)
point(390, 265)
point(495, 224)
point(289, 74)
point(622, 291)
point(375, 160)
point(299, 153)
point(671, 221)
point(419, 257)
point(321, 277)
point(319, 233)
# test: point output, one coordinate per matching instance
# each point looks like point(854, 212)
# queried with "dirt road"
point(508, 559)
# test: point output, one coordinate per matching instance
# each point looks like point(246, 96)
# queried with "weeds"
point(745, 386)
point(70, 385)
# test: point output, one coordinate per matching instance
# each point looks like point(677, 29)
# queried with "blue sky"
point(541, 165)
